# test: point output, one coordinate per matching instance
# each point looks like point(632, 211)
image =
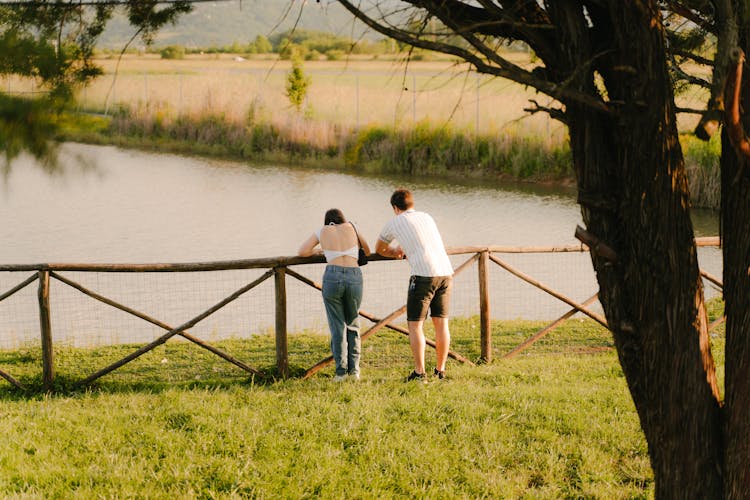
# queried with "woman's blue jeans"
point(342, 295)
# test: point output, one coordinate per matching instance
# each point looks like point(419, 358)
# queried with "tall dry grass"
point(702, 164)
point(352, 93)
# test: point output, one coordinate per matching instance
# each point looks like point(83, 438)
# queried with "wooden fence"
point(278, 268)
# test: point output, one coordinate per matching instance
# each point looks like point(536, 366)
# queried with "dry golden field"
point(347, 93)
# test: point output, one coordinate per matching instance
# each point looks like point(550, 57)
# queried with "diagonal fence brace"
point(20, 286)
point(716, 281)
point(175, 331)
point(374, 328)
point(544, 331)
point(4, 296)
point(145, 317)
point(545, 288)
point(12, 380)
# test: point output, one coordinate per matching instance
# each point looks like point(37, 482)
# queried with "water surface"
point(122, 206)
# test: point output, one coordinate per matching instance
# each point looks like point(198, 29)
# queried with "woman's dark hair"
point(334, 216)
point(402, 199)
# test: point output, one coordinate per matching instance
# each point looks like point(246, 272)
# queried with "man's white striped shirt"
point(420, 240)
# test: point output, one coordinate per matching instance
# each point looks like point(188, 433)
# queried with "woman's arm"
point(364, 244)
point(307, 248)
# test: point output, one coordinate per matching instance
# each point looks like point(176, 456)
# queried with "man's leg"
point(442, 341)
point(417, 343)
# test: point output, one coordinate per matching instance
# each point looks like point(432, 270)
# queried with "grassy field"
point(348, 93)
point(555, 422)
point(354, 92)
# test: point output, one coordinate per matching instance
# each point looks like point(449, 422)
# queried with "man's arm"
point(384, 249)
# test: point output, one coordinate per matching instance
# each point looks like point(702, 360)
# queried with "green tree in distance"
point(297, 83)
point(262, 45)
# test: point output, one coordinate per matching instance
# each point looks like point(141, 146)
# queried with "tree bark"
point(735, 235)
point(634, 197)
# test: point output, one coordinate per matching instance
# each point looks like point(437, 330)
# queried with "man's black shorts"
point(425, 292)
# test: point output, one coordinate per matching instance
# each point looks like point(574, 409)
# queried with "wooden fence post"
point(282, 352)
point(48, 366)
point(485, 329)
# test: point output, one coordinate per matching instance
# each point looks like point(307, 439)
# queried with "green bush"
point(262, 45)
point(429, 150)
point(290, 51)
point(335, 54)
point(296, 84)
point(173, 52)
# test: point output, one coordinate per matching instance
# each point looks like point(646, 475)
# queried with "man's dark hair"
point(402, 199)
point(334, 216)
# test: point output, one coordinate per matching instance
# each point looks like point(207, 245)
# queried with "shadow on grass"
point(182, 365)
point(68, 385)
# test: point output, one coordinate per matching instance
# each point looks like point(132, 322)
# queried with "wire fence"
point(347, 93)
point(112, 311)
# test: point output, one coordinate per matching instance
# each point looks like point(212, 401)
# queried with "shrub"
point(296, 84)
point(290, 51)
point(262, 45)
point(173, 52)
point(335, 54)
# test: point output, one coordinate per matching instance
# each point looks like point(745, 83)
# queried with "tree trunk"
point(735, 235)
point(634, 198)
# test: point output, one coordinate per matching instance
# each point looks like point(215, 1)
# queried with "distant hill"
point(222, 23)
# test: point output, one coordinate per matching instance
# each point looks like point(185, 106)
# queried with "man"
point(430, 285)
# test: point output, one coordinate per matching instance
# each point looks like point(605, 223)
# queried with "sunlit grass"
point(549, 423)
point(556, 421)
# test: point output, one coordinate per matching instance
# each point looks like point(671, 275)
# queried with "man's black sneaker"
point(415, 376)
point(440, 374)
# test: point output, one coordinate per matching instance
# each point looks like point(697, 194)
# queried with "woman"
point(342, 288)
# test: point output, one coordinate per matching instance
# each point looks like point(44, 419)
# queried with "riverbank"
point(424, 150)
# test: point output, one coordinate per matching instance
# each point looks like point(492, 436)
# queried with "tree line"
point(300, 43)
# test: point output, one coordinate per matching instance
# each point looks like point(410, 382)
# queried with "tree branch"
point(693, 57)
point(732, 118)
point(727, 39)
point(554, 113)
point(692, 16)
point(493, 65)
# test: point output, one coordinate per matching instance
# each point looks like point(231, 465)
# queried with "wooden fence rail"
point(278, 267)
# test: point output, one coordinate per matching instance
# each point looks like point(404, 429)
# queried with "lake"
point(109, 205)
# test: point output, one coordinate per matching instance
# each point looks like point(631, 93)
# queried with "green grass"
point(492, 432)
point(555, 422)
